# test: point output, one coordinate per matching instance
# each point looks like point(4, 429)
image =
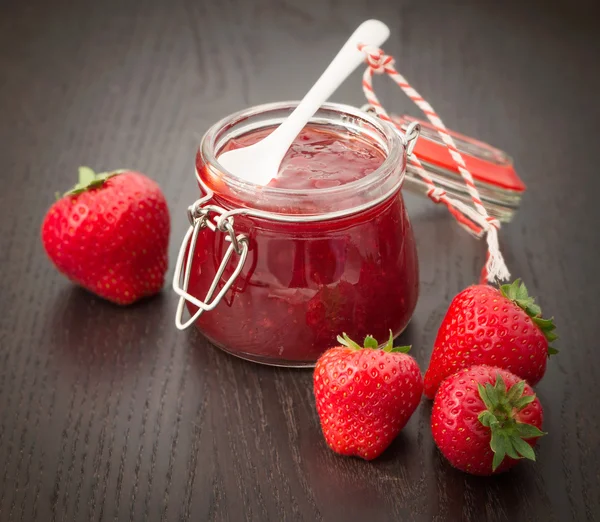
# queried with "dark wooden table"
point(112, 414)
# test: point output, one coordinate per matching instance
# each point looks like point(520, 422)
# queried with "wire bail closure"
point(410, 136)
point(199, 217)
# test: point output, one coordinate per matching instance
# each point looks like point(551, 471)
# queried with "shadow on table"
point(399, 450)
point(90, 332)
point(473, 496)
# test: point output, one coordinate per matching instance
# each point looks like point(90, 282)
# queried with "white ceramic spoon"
point(259, 163)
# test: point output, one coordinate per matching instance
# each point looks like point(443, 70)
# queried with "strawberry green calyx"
point(389, 346)
point(88, 179)
point(508, 434)
point(344, 340)
point(370, 343)
point(517, 293)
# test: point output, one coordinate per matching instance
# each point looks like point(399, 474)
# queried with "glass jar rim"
point(389, 140)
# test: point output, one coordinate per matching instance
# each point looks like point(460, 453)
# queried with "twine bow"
point(474, 219)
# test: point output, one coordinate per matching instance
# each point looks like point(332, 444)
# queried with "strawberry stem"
point(508, 434)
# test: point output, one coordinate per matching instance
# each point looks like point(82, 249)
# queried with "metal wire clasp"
point(409, 136)
point(199, 215)
point(413, 130)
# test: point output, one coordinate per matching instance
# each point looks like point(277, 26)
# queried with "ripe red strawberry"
point(500, 327)
point(110, 234)
point(365, 396)
point(485, 419)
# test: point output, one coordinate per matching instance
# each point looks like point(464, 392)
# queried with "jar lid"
point(500, 186)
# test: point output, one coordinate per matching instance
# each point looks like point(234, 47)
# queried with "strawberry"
point(485, 419)
point(110, 234)
point(499, 327)
point(365, 395)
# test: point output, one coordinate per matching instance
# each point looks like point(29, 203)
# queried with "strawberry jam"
point(305, 281)
point(318, 159)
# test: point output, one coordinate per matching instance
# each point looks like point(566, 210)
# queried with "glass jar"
point(273, 275)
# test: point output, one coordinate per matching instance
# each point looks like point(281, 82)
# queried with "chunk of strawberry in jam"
point(338, 308)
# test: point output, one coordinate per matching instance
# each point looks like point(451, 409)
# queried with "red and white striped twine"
point(475, 220)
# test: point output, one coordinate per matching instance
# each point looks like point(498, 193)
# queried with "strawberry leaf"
point(492, 394)
point(390, 343)
point(546, 325)
point(484, 396)
point(370, 342)
point(86, 176)
point(487, 418)
point(516, 290)
point(524, 449)
point(500, 386)
point(399, 349)
point(516, 391)
point(510, 291)
point(498, 445)
point(522, 291)
point(510, 449)
point(523, 401)
point(497, 442)
point(528, 431)
point(498, 458)
point(390, 348)
point(344, 340)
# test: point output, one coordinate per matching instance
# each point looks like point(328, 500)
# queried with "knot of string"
point(376, 59)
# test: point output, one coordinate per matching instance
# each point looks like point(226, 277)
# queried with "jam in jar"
point(324, 248)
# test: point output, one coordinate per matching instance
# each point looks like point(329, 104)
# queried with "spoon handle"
point(371, 32)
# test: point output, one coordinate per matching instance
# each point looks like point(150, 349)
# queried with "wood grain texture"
point(111, 414)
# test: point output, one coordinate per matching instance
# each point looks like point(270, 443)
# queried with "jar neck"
point(314, 203)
